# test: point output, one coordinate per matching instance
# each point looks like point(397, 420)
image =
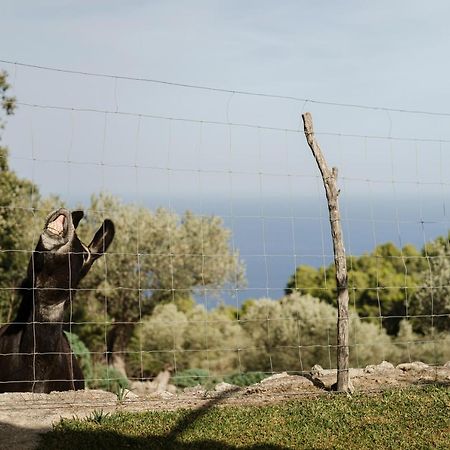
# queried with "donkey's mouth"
point(58, 226)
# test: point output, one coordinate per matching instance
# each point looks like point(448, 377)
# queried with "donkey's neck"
point(41, 323)
point(50, 314)
point(34, 308)
point(48, 328)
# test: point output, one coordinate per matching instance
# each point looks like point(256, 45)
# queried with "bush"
point(245, 379)
point(196, 339)
point(108, 379)
point(430, 348)
point(299, 331)
point(191, 377)
point(82, 353)
point(156, 340)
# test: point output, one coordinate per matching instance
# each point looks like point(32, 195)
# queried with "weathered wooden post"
point(330, 183)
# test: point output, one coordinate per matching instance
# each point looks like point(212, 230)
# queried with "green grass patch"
point(413, 419)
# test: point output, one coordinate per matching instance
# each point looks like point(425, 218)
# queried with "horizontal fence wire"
point(141, 311)
point(227, 91)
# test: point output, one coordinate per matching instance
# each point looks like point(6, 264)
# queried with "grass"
point(413, 418)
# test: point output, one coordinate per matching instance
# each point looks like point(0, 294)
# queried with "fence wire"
point(241, 286)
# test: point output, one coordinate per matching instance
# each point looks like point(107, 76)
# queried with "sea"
point(275, 235)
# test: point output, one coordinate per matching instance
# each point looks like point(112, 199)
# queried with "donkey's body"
point(34, 352)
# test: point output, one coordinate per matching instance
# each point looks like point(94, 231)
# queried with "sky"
point(382, 54)
point(243, 157)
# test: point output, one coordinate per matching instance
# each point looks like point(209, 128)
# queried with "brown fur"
point(35, 355)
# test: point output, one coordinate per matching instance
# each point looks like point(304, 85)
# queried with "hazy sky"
point(383, 53)
point(390, 53)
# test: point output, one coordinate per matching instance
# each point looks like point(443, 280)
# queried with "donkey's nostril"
point(57, 226)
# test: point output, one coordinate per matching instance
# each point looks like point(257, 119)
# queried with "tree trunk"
point(116, 345)
point(329, 178)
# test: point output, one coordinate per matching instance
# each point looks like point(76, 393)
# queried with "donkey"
point(35, 355)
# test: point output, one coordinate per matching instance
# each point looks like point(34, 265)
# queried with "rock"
point(416, 366)
point(276, 376)
point(382, 367)
point(171, 388)
point(317, 371)
point(224, 387)
point(165, 395)
point(129, 395)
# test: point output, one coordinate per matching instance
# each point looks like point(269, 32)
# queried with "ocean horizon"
point(275, 235)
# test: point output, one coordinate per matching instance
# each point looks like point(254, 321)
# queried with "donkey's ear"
point(102, 239)
point(76, 217)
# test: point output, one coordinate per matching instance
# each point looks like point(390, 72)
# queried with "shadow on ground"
point(14, 437)
point(106, 439)
point(109, 440)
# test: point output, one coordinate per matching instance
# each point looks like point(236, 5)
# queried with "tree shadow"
point(21, 438)
point(106, 439)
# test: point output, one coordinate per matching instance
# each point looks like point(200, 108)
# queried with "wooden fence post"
point(330, 183)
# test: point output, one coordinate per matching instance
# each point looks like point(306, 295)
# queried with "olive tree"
point(156, 257)
point(193, 339)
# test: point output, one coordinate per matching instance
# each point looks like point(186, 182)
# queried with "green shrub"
point(299, 331)
point(245, 379)
point(82, 353)
point(430, 348)
point(191, 377)
point(108, 379)
point(197, 339)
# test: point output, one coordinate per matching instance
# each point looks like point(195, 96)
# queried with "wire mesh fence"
point(221, 266)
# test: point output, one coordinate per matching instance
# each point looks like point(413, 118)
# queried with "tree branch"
point(329, 178)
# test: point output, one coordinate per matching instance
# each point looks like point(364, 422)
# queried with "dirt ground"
point(23, 416)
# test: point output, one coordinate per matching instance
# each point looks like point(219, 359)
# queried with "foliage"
point(7, 102)
point(82, 353)
point(190, 377)
point(433, 347)
point(22, 213)
point(245, 378)
point(21, 210)
point(197, 339)
point(97, 416)
point(380, 283)
point(409, 418)
point(299, 331)
point(157, 341)
point(156, 257)
point(430, 305)
point(108, 379)
point(164, 255)
point(193, 377)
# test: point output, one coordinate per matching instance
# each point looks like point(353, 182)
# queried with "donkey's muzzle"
point(58, 226)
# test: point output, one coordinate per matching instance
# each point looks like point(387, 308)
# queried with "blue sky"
point(391, 54)
point(384, 53)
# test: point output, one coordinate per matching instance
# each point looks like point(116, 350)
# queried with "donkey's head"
point(61, 260)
